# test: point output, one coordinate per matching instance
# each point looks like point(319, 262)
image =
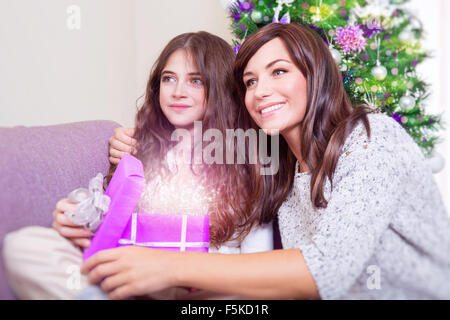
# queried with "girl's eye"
point(250, 83)
point(198, 82)
point(168, 79)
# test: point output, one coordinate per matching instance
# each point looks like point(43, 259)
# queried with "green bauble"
point(257, 16)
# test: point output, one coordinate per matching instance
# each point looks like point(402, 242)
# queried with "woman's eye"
point(250, 83)
point(279, 72)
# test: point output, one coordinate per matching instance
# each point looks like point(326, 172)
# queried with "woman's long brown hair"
point(328, 121)
point(214, 59)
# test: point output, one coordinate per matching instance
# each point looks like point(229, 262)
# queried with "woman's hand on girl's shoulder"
point(121, 142)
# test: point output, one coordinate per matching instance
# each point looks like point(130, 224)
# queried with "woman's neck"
point(293, 139)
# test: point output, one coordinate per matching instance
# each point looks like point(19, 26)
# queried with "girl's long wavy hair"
point(328, 121)
point(214, 59)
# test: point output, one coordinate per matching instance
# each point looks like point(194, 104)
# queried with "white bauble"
point(379, 72)
point(257, 16)
point(226, 4)
point(436, 162)
point(336, 55)
point(407, 102)
point(406, 36)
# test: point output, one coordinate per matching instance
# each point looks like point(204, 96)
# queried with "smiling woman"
point(353, 192)
point(306, 88)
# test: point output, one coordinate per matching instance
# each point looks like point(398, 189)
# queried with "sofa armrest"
point(41, 165)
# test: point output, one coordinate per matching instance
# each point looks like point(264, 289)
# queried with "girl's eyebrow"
point(168, 71)
point(194, 74)
point(189, 74)
point(269, 65)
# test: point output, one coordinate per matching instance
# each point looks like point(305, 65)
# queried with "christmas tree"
point(376, 44)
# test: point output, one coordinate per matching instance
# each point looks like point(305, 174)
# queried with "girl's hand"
point(121, 142)
point(131, 271)
point(66, 228)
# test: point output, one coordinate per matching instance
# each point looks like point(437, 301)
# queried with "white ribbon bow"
point(92, 204)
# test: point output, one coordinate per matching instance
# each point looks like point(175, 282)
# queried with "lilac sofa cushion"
point(41, 165)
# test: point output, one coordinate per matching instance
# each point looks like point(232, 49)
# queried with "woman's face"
point(182, 91)
point(276, 93)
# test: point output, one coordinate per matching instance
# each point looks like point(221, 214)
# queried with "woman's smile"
point(270, 109)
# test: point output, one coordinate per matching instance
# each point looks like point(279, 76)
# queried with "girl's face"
point(276, 93)
point(182, 91)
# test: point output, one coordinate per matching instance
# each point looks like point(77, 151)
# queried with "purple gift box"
point(168, 232)
point(121, 226)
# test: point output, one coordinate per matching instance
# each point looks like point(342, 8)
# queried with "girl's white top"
point(385, 233)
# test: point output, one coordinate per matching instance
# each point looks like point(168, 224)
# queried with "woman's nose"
point(263, 88)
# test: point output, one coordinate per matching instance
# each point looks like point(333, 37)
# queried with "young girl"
point(360, 215)
point(191, 81)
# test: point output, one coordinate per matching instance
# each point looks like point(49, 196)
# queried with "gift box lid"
point(124, 189)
